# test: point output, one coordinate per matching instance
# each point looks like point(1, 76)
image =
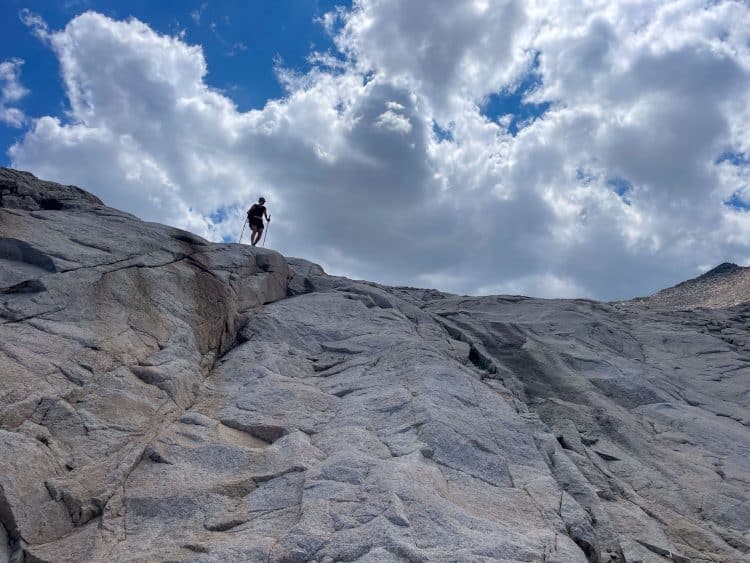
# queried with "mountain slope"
point(726, 285)
point(165, 398)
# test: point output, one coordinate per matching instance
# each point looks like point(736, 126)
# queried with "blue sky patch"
point(441, 134)
point(736, 201)
point(621, 187)
point(512, 102)
point(733, 157)
point(240, 41)
point(218, 215)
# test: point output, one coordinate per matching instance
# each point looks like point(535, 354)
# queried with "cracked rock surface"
point(166, 398)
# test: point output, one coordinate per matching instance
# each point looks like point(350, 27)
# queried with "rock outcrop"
point(166, 398)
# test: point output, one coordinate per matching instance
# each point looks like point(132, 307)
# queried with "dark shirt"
point(257, 210)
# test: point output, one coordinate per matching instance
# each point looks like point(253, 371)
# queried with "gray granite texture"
point(163, 398)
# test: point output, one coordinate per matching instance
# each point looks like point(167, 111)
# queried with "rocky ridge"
point(166, 398)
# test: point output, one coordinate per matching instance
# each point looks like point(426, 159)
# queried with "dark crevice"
point(157, 457)
point(225, 525)
point(606, 456)
point(481, 361)
point(50, 204)
point(196, 548)
point(663, 552)
point(478, 359)
point(7, 188)
point(151, 375)
point(465, 402)
point(589, 550)
point(8, 521)
point(272, 476)
point(184, 236)
point(267, 433)
point(345, 392)
point(28, 286)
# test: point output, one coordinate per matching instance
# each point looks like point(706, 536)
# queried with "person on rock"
point(255, 218)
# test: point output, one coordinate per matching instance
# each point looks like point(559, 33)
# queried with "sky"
point(591, 149)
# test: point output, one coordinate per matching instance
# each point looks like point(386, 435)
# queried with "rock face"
point(165, 398)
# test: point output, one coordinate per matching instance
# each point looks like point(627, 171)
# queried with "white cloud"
point(393, 121)
point(11, 91)
point(34, 22)
point(198, 13)
point(646, 95)
point(449, 51)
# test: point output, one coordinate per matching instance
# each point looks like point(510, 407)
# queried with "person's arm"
point(268, 217)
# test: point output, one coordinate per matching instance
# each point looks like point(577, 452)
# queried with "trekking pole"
point(268, 226)
point(243, 230)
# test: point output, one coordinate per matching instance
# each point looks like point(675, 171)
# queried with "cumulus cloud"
point(380, 163)
point(448, 51)
point(11, 91)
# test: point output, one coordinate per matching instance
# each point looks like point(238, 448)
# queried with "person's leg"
point(253, 238)
point(258, 234)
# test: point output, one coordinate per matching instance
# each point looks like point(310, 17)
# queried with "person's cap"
point(262, 200)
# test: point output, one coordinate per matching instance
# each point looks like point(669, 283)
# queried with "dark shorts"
point(256, 222)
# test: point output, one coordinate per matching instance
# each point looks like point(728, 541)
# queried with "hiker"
point(255, 218)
